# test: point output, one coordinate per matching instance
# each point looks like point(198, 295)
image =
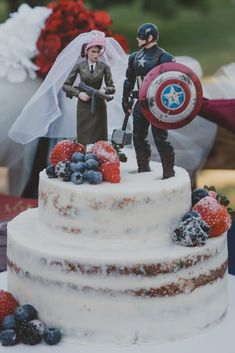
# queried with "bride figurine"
point(47, 114)
point(91, 125)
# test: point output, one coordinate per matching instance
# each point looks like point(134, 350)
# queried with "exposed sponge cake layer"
point(149, 293)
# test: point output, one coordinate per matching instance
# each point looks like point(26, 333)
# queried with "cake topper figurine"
point(91, 106)
point(48, 113)
point(140, 63)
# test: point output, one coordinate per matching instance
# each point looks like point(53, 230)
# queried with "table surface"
point(215, 340)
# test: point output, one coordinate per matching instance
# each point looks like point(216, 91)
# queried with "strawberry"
point(213, 194)
point(111, 171)
point(104, 152)
point(7, 304)
point(214, 214)
point(63, 150)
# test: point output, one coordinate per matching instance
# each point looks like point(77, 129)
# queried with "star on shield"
point(174, 98)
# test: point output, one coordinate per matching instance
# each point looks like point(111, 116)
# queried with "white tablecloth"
point(218, 339)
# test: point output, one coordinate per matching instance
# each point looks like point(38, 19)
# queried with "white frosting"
point(141, 206)
point(96, 307)
point(120, 279)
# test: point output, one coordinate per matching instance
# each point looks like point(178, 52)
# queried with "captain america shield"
point(170, 95)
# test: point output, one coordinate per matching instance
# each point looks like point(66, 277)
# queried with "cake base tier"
point(216, 339)
point(143, 294)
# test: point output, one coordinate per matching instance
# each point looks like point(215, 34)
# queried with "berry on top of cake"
point(209, 217)
point(70, 162)
point(64, 150)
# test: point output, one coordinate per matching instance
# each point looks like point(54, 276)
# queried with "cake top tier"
point(141, 206)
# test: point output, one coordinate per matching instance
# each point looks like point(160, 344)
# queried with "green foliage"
point(169, 8)
point(209, 37)
point(104, 4)
point(166, 9)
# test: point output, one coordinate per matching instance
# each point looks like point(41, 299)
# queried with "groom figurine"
point(140, 63)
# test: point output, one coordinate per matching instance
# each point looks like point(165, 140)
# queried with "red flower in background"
point(49, 46)
point(68, 19)
point(102, 20)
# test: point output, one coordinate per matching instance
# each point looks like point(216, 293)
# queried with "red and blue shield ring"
point(170, 95)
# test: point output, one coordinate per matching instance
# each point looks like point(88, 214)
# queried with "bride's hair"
point(83, 50)
point(83, 55)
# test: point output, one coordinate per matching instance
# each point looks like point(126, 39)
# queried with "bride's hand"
point(83, 96)
point(102, 90)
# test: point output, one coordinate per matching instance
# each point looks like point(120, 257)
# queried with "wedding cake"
point(98, 261)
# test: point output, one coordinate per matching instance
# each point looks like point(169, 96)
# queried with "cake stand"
point(215, 340)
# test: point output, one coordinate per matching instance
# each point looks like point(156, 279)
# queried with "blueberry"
point(9, 322)
point(77, 178)
point(191, 214)
point(90, 155)
point(8, 337)
point(78, 157)
point(78, 167)
point(31, 332)
point(93, 177)
point(191, 232)
point(50, 171)
point(52, 336)
point(198, 194)
point(85, 175)
point(25, 312)
point(92, 164)
point(63, 170)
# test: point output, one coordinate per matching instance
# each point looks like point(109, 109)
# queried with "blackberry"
point(191, 232)
point(205, 227)
point(52, 336)
point(63, 170)
point(198, 194)
point(31, 332)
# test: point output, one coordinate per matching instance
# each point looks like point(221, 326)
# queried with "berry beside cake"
point(116, 256)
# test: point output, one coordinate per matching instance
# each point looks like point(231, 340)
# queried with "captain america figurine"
point(140, 63)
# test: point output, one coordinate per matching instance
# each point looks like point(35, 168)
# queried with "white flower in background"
point(18, 37)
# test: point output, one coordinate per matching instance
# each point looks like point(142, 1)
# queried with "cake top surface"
point(96, 251)
point(131, 180)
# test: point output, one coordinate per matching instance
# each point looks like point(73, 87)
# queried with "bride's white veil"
point(46, 114)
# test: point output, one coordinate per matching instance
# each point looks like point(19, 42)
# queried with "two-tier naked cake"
point(98, 261)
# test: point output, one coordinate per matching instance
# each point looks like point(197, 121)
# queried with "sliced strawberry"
point(63, 150)
point(214, 214)
point(7, 304)
point(105, 152)
point(111, 171)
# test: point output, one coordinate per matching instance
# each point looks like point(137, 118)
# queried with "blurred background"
point(202, 29)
